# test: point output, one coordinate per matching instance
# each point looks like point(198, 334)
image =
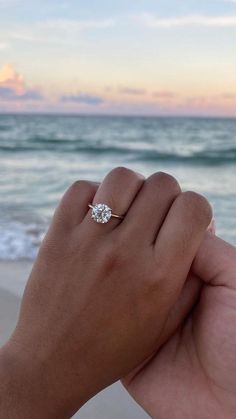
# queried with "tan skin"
point(193, 375)
point(100, 298)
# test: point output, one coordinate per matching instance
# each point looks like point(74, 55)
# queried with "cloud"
point(132, 91)
point(5, 92)
point(31, 95)
point(13, 87)
point(10, 78)
point(8, 94)
point(78, 25)
point(227, 96)
point(4, 45)
point(164, 94)
point(83, 98)
point(59, 31)
point(152, 21)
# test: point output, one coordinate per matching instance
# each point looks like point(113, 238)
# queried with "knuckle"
point(161, 272)
point(80, 185)
point(76, 195)
point(151, 286)
point(156, 273)
point(198, 206)
point(113, 256)
point(110, 261)
point(166, 180)
point(123, 173)
point(80, 188)
point(151, 291)
point(118, 179)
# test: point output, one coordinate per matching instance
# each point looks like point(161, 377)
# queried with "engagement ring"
point(101, 213)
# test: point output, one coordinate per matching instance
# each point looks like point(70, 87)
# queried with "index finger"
point(179, 239)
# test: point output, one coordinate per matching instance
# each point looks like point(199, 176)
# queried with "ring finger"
point(117, 191)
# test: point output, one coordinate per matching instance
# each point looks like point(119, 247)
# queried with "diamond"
point(101, 213)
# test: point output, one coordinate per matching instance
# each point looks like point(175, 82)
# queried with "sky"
point(138, 57)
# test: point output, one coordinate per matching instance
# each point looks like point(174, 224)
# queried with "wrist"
point(24, 392)
point(21, 395)
point(30, 387)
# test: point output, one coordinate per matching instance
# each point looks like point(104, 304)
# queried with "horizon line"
point(75, 114)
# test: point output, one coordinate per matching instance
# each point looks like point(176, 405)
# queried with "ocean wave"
point(206, 158)
point(183, 140)
point(19, 241)
point(62, 146)
point(132, 153)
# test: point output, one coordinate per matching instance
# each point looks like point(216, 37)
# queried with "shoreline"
point(14, 275)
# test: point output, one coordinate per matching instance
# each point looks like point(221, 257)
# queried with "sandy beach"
point(112, 403)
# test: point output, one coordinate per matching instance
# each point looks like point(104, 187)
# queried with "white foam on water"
point(19, 241)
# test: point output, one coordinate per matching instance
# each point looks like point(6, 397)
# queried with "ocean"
point(40, 156)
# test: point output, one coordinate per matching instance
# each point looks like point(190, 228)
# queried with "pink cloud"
point(132, 91)
point(227, 96)
point(11, 79)
point(164, 94)
point(84, 98)
point(16, 95)
point(13, 86)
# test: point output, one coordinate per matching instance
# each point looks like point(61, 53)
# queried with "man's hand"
point(99, 295)
point(193, 375)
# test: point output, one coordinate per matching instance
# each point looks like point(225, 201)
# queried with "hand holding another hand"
point(193, 375)
point(100, 298)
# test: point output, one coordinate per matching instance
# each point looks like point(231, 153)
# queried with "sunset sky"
point(157, 57)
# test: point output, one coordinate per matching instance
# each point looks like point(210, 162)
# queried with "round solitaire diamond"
point(101, 213)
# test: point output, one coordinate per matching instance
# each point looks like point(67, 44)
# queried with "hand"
point(193, 375)
point(99, 295)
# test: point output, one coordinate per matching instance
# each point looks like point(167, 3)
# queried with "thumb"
point(215, 262)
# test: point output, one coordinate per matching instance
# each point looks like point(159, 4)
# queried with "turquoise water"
point(40, 156)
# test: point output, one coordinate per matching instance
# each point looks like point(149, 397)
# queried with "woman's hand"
point(193, 375)
point(99, 295)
